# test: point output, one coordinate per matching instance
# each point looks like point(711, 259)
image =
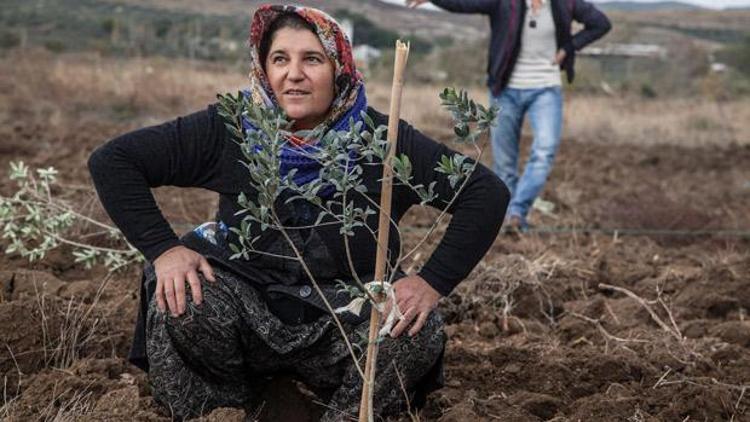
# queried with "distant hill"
point(429, 24)
point(627, 6)
point(207, 29)
point(216, 29)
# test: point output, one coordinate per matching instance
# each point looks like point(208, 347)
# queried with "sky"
point(715, 4)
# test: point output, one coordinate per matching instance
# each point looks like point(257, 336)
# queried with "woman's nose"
point(296, 72)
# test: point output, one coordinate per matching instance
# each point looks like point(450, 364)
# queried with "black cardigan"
point(196, 151)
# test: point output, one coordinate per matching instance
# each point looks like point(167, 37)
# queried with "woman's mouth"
point(296, 92)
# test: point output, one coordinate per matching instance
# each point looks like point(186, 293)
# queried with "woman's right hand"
point(173, 268)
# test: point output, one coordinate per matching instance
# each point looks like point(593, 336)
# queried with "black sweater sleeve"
point(183, 152)
point(477, 212)
point(466, 6)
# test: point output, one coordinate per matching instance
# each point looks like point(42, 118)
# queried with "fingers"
point(402, 324)
point(172, 294)
point(195, 287)
point(175, 267)
point(403, 305)
point(404, 296)
point(388, 307)
point(409, 317)
point(419, 324)
point(417, 299)
point(559, 57)
point(169, 296)
point(179, 293)
point(206, 269)
point(159, 293)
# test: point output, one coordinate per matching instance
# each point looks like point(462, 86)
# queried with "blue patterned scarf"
point(299, 157)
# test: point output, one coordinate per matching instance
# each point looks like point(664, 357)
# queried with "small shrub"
point(36, 220)
point(737, 56)
point(55, 46)
point(9, 39)
point(704, 123)
point(647, 91)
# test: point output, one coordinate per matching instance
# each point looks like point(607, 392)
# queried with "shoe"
point(515, 224)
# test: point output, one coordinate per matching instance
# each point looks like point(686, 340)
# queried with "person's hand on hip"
point(415, 299)
point(559, 57)
point(415, 3)
point(173, 268)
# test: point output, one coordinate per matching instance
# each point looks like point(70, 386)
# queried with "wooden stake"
point(381, 259)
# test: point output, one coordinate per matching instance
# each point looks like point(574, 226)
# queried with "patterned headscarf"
point(348, 82)
point(349, 100)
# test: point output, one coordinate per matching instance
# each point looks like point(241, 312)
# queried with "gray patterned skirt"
point(220, 353)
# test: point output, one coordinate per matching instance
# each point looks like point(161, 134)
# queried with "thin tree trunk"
point(381, 259)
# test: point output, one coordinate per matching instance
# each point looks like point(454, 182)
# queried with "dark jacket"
point(196, 150)
point(506, 23)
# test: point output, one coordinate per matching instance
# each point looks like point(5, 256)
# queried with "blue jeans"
point(544, 106)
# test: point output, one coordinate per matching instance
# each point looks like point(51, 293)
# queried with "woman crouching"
point(213, 329)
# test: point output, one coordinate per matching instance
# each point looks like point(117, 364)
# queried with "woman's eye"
point(314, 59)
point(278, 59)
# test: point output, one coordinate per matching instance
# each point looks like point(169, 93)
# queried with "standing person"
point(530, 43)
point(211, 328)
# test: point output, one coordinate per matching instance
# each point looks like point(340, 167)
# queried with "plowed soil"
point(646, 324)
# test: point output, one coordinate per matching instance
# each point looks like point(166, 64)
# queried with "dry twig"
point(414, 417)
point(607, 335)
point(674, 331)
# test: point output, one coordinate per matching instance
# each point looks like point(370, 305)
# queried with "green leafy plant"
point(343, 156)
point(36, 220)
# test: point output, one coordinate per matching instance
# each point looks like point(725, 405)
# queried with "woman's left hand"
point(416, 299)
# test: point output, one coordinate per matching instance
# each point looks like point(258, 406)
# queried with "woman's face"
point(301, 76)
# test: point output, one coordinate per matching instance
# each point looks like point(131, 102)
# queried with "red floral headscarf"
point(348, 81)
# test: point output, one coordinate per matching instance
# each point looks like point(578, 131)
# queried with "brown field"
point(723, 19)
point(535, 333)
